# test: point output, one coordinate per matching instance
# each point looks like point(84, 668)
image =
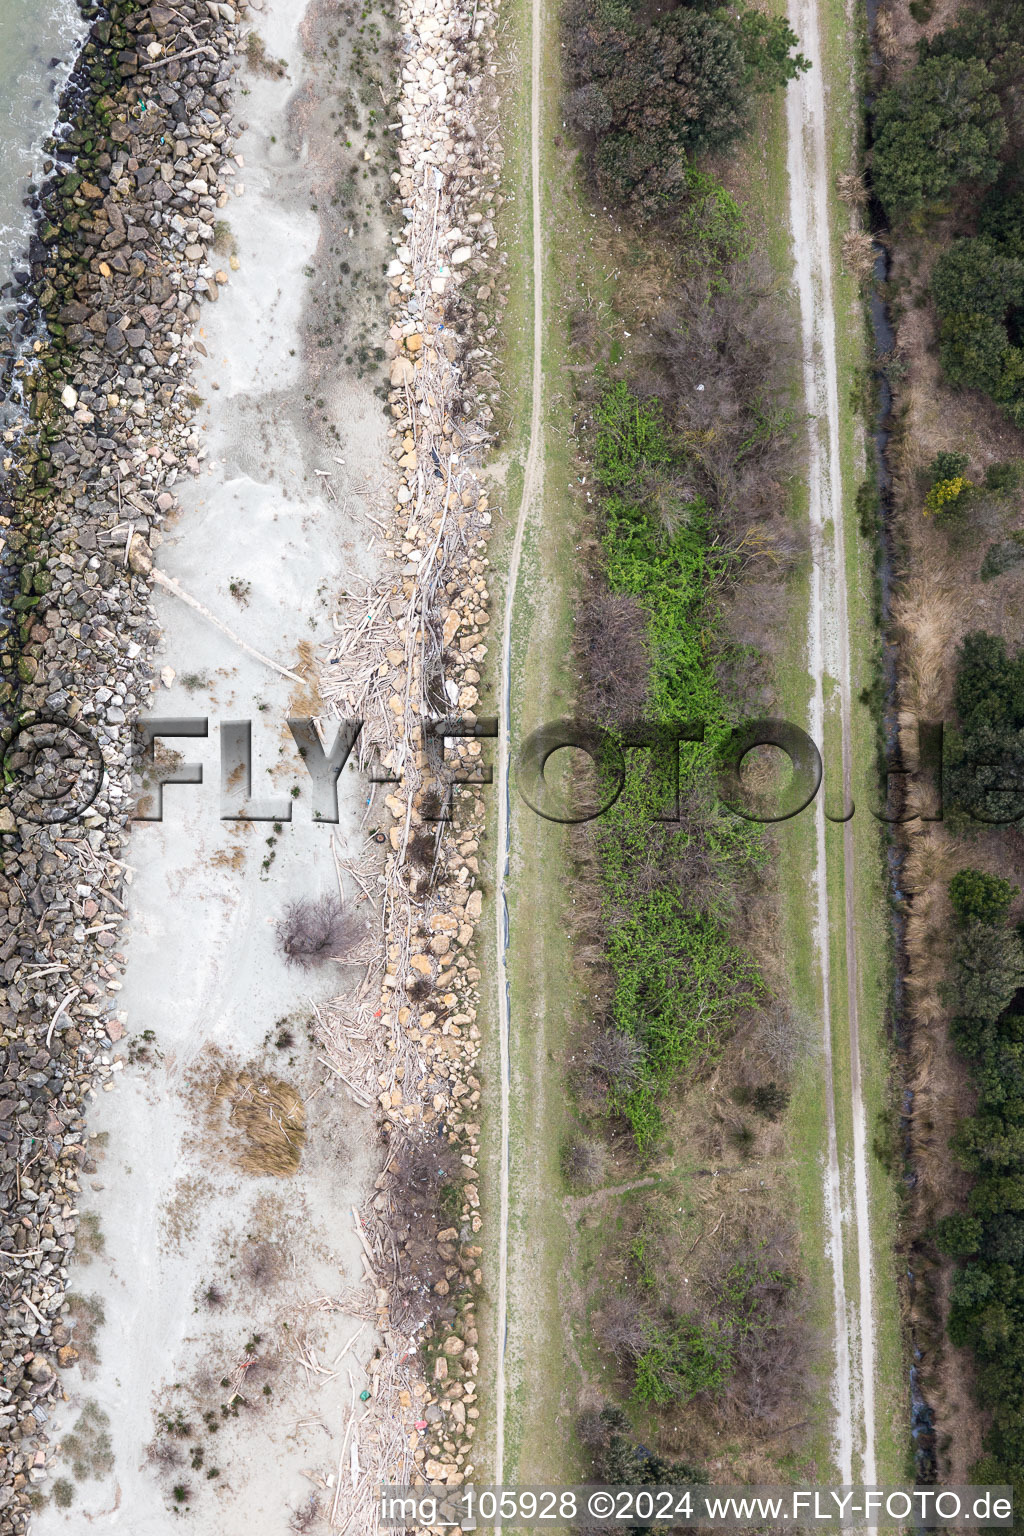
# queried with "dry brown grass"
point(886, 36)
point(930, 616)
point(268, 1119)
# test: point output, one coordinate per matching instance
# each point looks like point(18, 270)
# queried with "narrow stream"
point(922, 1426)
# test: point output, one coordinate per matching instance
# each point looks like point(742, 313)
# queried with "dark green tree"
point(988, 966)
point(981, 897)
point(649, 93)
point(974, 277)
point(941, 126)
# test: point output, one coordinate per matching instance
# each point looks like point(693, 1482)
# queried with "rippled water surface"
point(38, 41)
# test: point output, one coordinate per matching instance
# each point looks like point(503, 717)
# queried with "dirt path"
point(533, 484)
point(829, 654)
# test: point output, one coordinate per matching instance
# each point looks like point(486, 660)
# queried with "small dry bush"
point(426, 1190)
point(738, 426)
point(306, 1516)
point(618, 1057)
point(611, 640)
point(774, 1348)
point(165, 1454)
point(261, 1264)
point(784, 1037)
point(88, 1446)
point(89, 1239)
point(419, 989)
point(88, 1316)
point(269, 1119)
point(312, 932)
point(620, 1327)
point(584, 1161)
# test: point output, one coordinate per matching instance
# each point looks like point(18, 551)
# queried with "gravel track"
point(846, 1179)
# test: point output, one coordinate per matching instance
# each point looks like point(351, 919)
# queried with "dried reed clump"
point(270, 1119)
point(850, 189)
point(858, 253)
point(311, 932)
point(886, 38)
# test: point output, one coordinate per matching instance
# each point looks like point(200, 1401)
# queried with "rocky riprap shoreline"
point(121, 263)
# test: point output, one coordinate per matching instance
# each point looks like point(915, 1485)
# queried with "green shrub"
point(1001, 218)
point(1002, 557)
point(984, 769)
point(941, 126)
point(1004, 479)
point(974, 277)
point(648, 91)
point(958, 1235)
point(977, 289)
point(678, 977)
point(770, 1100)
point(714, 229)
point(980, 897)
point(681, 1361)
point(946, 466)
point(988, 966)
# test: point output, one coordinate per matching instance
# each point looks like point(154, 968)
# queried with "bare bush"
point(621, 1327)
point(215, 1296)
point(611, 641)
point(785, 1037)
point(306, 1516)
point(725, 361)
point(425, 1190)
point(618, 1057)
point(164, 1453)
point(419, 989)
point(592, 1429)
point(421, 849)
point(311, 932)
point(261, 1264)
point(584, 1161)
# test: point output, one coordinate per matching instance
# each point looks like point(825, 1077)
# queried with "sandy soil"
point(175, 1210)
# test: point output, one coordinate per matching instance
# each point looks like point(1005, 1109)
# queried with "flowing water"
point(38, 43)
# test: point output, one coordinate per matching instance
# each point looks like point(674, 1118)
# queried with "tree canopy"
point(648, 94)
point(940, 126)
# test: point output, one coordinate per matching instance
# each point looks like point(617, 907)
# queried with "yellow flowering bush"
point(944, 493)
